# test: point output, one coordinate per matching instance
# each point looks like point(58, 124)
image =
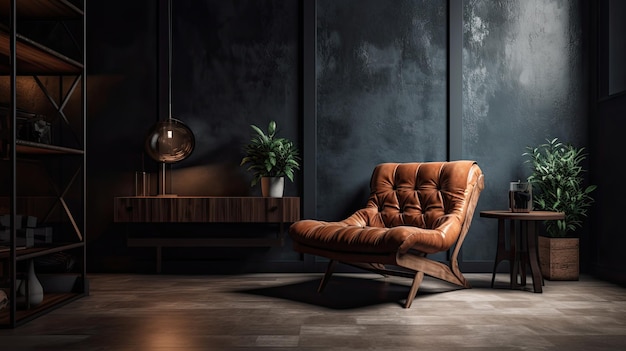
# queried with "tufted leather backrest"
point(424, 195)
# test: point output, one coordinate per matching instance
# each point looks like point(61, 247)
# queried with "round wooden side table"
point(523, 250)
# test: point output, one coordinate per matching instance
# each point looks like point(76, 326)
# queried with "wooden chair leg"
point(329, 271)
point(419, 276)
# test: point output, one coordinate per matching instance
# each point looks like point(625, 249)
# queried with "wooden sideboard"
point(205, 209)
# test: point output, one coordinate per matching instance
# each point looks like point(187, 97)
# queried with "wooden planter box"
point(558, 258)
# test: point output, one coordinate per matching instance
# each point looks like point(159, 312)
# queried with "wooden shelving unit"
point(22, 58)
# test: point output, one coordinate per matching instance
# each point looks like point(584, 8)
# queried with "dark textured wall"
point(236, 63)
point(616, 47)
point(607, 223)
point(381, 93)
point(121, 105)
point(381, 96)
point(524, 81)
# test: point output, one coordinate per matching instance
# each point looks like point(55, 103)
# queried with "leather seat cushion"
point(341, 237)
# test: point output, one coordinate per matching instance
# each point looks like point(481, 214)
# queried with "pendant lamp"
point(170, 140)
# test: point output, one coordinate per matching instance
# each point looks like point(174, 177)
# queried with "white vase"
point(272, 186)
point(31, 286)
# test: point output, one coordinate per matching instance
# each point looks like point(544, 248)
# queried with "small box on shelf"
point(27, 240)
point(43, 234)
point(5, 221)
point(27, 232)
point(30, 126)
point(35, 129)
point(29, 221)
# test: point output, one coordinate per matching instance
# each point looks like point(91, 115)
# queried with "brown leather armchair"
point(414, 209)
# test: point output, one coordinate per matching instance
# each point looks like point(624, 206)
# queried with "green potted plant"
point(558, 185)
point(270, 159)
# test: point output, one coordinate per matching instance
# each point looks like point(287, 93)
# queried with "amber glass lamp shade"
point(169, 141)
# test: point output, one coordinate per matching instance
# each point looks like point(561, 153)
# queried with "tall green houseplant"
point(557, 179)
point(267, 155)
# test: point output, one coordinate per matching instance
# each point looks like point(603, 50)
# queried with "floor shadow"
point(346, 292)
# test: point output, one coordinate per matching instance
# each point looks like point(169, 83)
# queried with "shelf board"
point(29, 147)
point(32, 252)
point(34, 58)
point(42, 9)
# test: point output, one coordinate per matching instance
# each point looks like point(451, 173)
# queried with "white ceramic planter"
point(272, 186)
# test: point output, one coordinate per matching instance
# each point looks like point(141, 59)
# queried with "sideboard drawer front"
point(206, 209)
point(130, 209)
